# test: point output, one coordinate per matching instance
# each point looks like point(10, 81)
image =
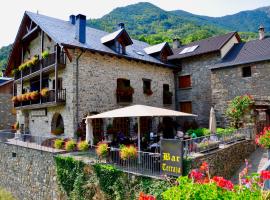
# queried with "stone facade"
point(225, 162)
point(27, 173)
point(200, 92)
point(97, 79)
point(7, 113)
point(228, 83)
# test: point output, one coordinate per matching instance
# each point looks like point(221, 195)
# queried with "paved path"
point(257, 160)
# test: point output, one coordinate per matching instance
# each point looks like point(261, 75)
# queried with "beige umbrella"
point(133, 111)
point(212, 121)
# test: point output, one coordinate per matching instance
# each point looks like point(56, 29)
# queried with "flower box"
point(207, 146)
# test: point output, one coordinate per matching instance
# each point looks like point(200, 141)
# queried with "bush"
point(128, 152)
point(102, 149)
point(59, 143)
point(83, 146)
point(70, 145)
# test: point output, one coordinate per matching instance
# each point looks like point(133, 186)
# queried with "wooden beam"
point(30, 32)
point(68, 54)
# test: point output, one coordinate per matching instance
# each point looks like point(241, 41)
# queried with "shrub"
point(263, 138)
point(102, 149)
point(59, 143)
point(70, 145)
point(83, 146)
point(128, 152)
point(238, 107)
point(45, 54)
point(5, 195)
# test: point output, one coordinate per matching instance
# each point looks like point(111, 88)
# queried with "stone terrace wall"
point(225, 162)
point(7, 119)
point(29, 175)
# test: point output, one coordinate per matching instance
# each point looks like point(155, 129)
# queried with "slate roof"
point(246, 52)
point(63, 33)
point(5, 80)
point(204, 46)
point(155, 48)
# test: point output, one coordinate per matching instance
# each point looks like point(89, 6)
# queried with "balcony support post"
point(56, 73)
point(21, 75)
point(41, 63)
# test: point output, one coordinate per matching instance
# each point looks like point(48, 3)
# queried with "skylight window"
point(139, 53)
point(189, 49)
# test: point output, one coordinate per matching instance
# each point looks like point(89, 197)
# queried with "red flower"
point(265, 175)
point(146, 197)
point(196, 175)
point(204, 166)
point(223, 183)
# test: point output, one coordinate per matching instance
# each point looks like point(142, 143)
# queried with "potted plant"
point(44, 92)
point(59, 143)
point(83, 146)
point(19, 98)
point(148, 92)
point(70, 145)
point(34, 95)
point(128, 152)
point(102, 150)
point(45, 54)
point(14, 99)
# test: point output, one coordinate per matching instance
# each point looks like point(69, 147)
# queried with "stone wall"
point(225, 162)
point(27, 173)
point(7, 114)
point(200, 92)
point(228, 83)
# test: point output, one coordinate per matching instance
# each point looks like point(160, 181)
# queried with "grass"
point(4, 195)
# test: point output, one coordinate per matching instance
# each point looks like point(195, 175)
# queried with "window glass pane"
point(185, 81)
point(186, 107)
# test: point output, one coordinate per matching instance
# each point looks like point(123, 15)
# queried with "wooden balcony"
point(47, 65)
point(42, 102)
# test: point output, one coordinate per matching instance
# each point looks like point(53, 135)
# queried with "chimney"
point(80, 28)
point(72, 19)
point(121, 25)
point(176, 43)
point(261, 32)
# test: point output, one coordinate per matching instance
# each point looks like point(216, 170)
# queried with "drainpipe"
point(77, 87)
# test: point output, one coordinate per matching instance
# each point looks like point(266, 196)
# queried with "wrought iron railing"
point(210, 142)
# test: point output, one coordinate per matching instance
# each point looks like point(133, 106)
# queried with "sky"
point(11, 11)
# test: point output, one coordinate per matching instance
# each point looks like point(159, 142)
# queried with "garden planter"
point(229, 140)
point(240, 137)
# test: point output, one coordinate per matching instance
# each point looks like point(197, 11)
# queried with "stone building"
point(193, 85)
point(244, 70)
point(77, 70)
point(7, 113)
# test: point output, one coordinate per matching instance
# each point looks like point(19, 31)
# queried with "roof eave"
point(121, 56)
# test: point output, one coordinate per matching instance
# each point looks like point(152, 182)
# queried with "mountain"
point(147, 22)
point(4, 52)
point(243, 21)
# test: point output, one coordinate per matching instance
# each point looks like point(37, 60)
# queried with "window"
point(246, 71)
point(120, 47)
point(124, 91)
point(184, 81)
point(147, 87)
point(189, 49)
point(167, 95)
point(186, 106)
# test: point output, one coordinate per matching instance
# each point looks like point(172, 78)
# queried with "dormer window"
point(159, 51)
point(117, 41)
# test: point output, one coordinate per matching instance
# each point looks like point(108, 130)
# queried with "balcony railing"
point(50, 98)
point(44, 63)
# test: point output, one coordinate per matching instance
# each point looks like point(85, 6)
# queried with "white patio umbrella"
point(133, 111)
point(212, 121)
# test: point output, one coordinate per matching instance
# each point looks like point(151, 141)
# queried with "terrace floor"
point(257, 160)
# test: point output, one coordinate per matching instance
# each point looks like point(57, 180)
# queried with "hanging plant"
point(148, 92)
point(14, 99)
point(44, 92)
point(34, 95)
point(45, 54)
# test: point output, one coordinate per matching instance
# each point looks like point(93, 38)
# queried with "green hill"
point(4, 52)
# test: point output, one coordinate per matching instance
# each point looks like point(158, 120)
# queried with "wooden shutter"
point(186, 107)
point(184, 81)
